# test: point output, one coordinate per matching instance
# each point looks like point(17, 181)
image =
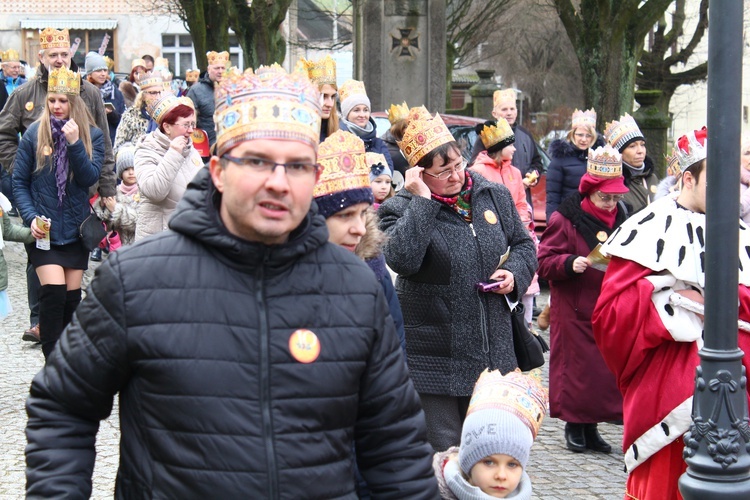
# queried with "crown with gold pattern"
point(350, 88)
point(166, 104)
point(50, 38)
point(161, 62)
point(150, 80)
point(619, 133)
point(345, 176)
point(583, 119)
point(604, 162)
point(689, 149)
point(517, 393)
point(110, 63)
point(64, 81)
point(322, 72)
point(136, 63)
point(496, 137)
point(192, 75)
point(398, 112)
point(267, 104)
point(10, 55)
point(217, 57)
point(502, 96)
point(423, 134)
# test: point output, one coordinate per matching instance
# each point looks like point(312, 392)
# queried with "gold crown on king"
point(688, 150)
point(266, 104)
point(10, 55)
point(618, 133)
point(322, 72)
point(192, 75)
point(584, 119)
point(51, 38)
point(350, 88)
point(218, 57)
point(517, 393)
point(501, 96)
point(166, 104)
point(604, 162)
point(343, 162)
point(136, 63)
point(501, 135)
point(398, 112)
point(64, 81)
point(423, 134)
point(151, 80)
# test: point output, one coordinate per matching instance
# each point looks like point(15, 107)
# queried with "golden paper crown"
point(218, 57)
point(342, 160)
point(136, 63)
point(151, 80)
point(10, 55)
point(502, 96)
point(350, 88)
point(373, 158)
point(161, 62)
point(166, 104)
point(110, 63)
point(64, 81)
point(497, 136)
point(689, 149)
point(398, 112)
point(268, 104)
point(619, 133)
point(51, 38)
point(423, 134)
point(192, 75)
point(322, 72)
point(584, 119)
point(519, 394)
point(604, 162)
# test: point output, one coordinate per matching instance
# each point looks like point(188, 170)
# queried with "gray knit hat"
point(94, 62)
point(490, 432)
point(125, 158)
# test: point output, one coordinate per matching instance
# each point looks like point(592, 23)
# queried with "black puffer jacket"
point(565, 171)
point(192, 327)
point(452, 331)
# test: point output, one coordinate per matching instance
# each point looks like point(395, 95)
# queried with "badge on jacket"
point(304, 346)
point(29, 106)
point(490, 217)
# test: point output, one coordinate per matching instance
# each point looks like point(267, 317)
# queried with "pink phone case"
point(488, 287)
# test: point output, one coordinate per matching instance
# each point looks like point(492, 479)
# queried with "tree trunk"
point(217, 33)
point(450, 61)
point(269, 45)
point(196, 25)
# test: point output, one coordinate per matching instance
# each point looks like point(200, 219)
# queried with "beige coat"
point(163, 174)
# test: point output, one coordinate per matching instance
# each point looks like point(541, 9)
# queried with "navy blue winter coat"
point(373, 143)
point(565, 171)
point(36, 192)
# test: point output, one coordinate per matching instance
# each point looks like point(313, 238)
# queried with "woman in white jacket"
point(165, 162)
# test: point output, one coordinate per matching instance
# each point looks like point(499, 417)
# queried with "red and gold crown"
point(604, 162)
point(192, 75)
point(343, 164)
point(350, 88)
point(583, 119)
point(502, 96)
point(517, 393)
point(398, 112)
point(267, 104)
point(689, 149)
point(423, 134)
point(218, 57)
point(166, 104)
point(136, 63)
point(64, 81)
point(619, 133)
point(150, 80)
point(50, 38)
point(500, 135)
point(10, 55)
point(322, 72)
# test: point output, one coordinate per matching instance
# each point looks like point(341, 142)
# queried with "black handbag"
point(92, 231)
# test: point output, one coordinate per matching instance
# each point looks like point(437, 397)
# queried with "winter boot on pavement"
point(575, 438)
point(51, 315)
point(594, 440)
point(542, 320)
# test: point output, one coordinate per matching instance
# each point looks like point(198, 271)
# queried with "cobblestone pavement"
point(556, 473)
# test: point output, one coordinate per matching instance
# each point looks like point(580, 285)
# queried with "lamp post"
point(718, 443)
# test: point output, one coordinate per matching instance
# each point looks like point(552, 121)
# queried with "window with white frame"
point(178, 49)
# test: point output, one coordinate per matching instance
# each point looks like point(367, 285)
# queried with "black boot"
point(72, 299)
point(575, 439)
point(51, 315)
point(594, 440)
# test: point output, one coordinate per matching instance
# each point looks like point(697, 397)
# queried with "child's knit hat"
point(125, 158)
point(504, 416)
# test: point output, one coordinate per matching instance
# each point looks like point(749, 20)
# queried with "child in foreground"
point(502, 421)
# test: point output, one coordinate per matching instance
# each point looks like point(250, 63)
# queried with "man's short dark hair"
point(696, 169)
point(148, 58)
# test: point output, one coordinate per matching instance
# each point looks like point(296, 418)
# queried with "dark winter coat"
point(114, 97)
point(454, 332)
point(565, 171)
point(192, 327)
point(399, 161)
point(582, 389)
point(642, 187)
point(35, 193)
point(202, 94)
point(373, 143)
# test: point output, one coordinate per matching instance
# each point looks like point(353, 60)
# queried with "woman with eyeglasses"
point(583, 391)
point(165, 162)
point(569, 158)
point(136, 121)
point(449, 230)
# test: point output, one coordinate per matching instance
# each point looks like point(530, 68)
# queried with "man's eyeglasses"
point(263, 166)
point(186, 126)
point(606, 198)
point(445, 174)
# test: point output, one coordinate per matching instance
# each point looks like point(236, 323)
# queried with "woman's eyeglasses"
point(606, 198)
point(445, 174)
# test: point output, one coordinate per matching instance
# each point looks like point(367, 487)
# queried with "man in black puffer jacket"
point(249, 354)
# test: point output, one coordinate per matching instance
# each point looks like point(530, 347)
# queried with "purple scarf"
point(60, 157)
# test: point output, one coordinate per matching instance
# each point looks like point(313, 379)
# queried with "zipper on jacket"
point(471, 225)
point(265, 384)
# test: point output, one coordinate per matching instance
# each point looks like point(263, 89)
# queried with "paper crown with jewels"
point(10, 55)
point(502, 96)
point(345, 176)
point(50, 38)
point(267, 104)
point(109, 62)
point(584, 119)
point(64, 81)
point(423, 134)
point(398, 112)
point(150, 80)
point(136, 63)
point(161, 62)
point(322, 72)
point(689, 149)
point(217, 57)
point(619, 133)
point(604, 162)
point(166, 104)
point(350, 88)
point(192, 75)
point(496, 137)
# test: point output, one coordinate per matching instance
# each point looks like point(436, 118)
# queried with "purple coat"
point(581, 387)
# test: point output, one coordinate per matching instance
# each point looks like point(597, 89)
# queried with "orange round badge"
point(490, 216)
point(304, 346)
point(29, 106)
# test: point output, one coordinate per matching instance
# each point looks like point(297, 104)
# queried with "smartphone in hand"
point(488, 287)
